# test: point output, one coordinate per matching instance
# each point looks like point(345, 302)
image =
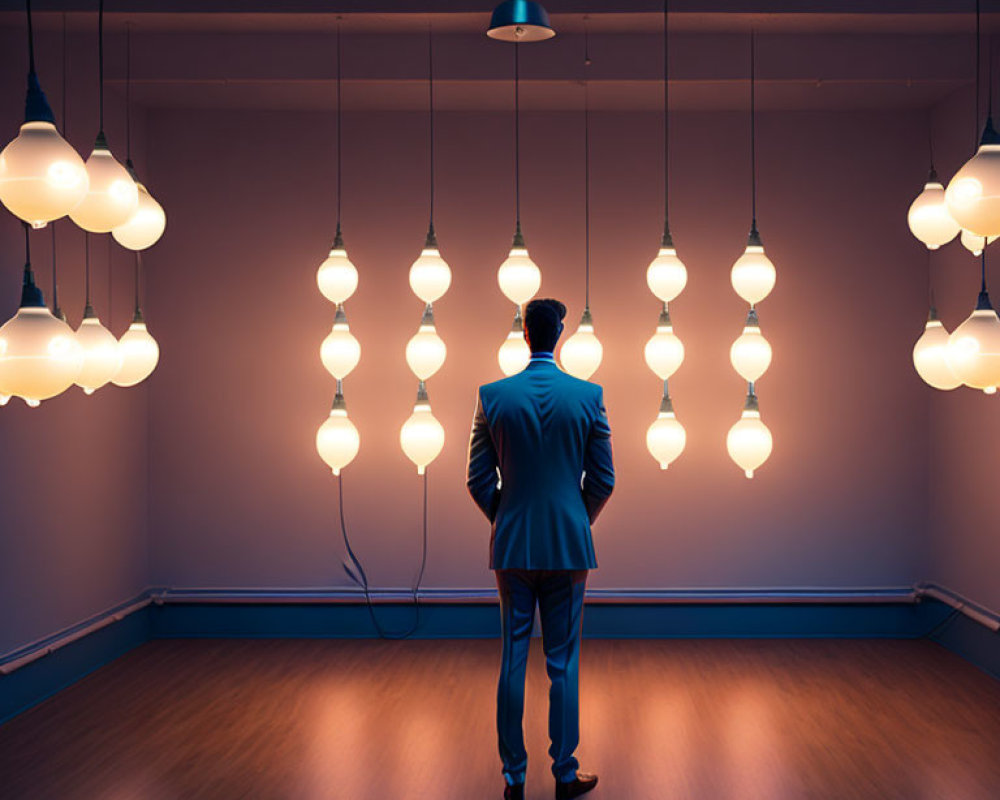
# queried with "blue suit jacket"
point(540, 432)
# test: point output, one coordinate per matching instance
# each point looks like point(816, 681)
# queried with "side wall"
point(964, 424)
point(73, 472)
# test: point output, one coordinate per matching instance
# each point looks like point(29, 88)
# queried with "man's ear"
point(561, 326)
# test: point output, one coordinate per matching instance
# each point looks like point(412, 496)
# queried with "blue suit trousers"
point(559, 597)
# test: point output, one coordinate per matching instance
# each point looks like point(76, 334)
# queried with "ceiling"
point(833, 55)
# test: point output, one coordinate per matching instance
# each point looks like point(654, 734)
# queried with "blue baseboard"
point(640, 617)
point(44, 677)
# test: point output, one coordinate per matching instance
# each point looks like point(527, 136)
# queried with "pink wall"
point(73, 478)
point(238, 496)
point(965, 434)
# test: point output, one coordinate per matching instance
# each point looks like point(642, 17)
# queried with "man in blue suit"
point(540, 468)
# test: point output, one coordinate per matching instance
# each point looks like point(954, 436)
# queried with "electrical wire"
point(128, 94)
point(100, 58)
point(138, 266)
point(586, 162)
point(339, 104)
point(753, 128)
point(86, 266)
point(430, 97)
point(517, 136)
point(356, 572)
point(979, 69)
point(666, 116)
point(31, 39)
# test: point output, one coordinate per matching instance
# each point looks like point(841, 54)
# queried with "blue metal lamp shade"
point(520, 21)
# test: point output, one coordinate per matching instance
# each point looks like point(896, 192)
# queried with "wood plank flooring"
point(294, 719)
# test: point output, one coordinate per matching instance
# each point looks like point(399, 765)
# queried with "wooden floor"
point(369, 720)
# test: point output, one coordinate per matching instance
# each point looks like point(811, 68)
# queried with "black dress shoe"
point(514, 792)
point(582, 784)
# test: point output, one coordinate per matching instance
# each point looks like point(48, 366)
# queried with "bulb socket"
point(338, 239)
point(422, 393)
point(31, 295)
point(983, 303)
point(428, 315)
point(431, 240)
point(753, 240)
point(518, 326)
point(666, 404)
point(586, 318)
point(990, 136)
point(339, 404)
point(664, 316)
point(668, 239)
point(932, 315)
point(752, 403)
point(101, 142)
point(752, 320)
point(340, 317)
point(518, 237)
point(36, 105)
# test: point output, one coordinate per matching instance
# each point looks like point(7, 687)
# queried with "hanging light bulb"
point(749, 441)
point(426, 351)
point(422, 437)
point(337, 440)
point(139, 351)
point(666, 274)
point(337, 277)
point(753, 275)
point(664, 351)
point(973, 351)
point(101, 357)
point(519, 276)
point(514, 353)
point(147, 223)
point(112, 196)
point(42, 178)
point(928, 216)
point(930, 357)
point(340, 351)
point(39, 355)
point(975, 244)
point(581, 354)
point(751, 353)
point(666, 437)
point(973, 194)
point(430, 275)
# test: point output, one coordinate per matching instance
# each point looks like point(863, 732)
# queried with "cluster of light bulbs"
point(970, 207)
point(42, 179)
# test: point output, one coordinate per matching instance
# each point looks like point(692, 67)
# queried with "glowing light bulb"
point(928, 216)
point(666, 274)
point(337, 440)
point(101, 356)
point(666, 437)
point(514, 353)
point(337, 277)
point(426, 351)
point(39, 354)
point(139, 351)
point(973, 194)
point(340, 351)
point(112, 196)
point(430, 275)
point(975, 244)
point(664, 351)
point(519, 276)
point(749, 441)
point(581, 354)
point(422, 437)
point(146, 224)
point(42, 177)
point(930, 355)
point(750, 354)
point(973, 350)
point(753, 275)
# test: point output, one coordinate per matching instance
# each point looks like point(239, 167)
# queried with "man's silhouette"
point(540, 468)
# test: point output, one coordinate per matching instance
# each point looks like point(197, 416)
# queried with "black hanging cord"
point(64, 59)
point(128, 93)
point(666, 117)
point(31, 38)
point(979, 69)
point(753, 128)
point(982, 261)
point(109, 284)
point(86, 267)
point(27, 246)
point(586, 162)
point(138, 266)
point(55, 282)
point(339, 104)
point(100, 57)
point(356, 572)
point(430, 97)
point(517, 136)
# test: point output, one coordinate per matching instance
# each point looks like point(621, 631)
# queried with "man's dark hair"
point(543, 323)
